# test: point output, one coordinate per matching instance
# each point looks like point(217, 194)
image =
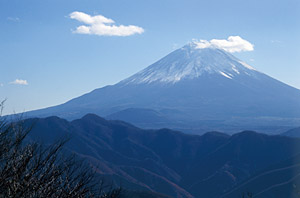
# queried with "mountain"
point(140, 116)
point(295, 132)
point(193, 89)
point(142, 194)
point(279, 180)
point(167, 161)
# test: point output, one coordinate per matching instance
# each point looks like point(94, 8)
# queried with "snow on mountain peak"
point(190, 62)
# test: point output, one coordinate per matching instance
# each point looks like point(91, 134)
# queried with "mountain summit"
point(192, 89)
point(191, 62)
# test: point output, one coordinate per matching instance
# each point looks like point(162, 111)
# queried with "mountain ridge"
point(167, 161)
point(199, 90)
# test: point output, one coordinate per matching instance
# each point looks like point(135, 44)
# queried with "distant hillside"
point(139, 116)
point(279, 180)
point(167, 161)
point(142, 194)
point(293, 132)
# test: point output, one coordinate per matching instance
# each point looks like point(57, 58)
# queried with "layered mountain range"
point(149, 162)
point(195, 90)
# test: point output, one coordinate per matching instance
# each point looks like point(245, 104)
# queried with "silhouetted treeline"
point(29, 170)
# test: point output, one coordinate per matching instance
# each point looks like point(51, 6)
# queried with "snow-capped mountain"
point(192, 88)
point(191, 62)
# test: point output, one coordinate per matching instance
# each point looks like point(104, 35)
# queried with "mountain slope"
point(279, 180)
point(167, 161)
point(209, 89)
point(140, 116)
point(292, 132)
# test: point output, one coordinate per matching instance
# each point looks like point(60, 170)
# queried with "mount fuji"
point(195, 90)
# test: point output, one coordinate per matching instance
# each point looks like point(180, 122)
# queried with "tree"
point(31, 170)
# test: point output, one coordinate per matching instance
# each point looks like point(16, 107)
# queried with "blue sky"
point(44, 62)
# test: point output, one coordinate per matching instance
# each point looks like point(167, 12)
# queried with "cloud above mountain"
point(102, 26)
point(19, 82)
point(13, 19)
point(232, 44)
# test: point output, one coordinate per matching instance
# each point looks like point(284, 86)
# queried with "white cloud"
point(14, 19)
point(232, 44)
point(1, 84)
point(19, 82)
point(102, 26)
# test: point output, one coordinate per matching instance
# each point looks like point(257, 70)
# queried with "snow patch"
point(235, 69)
point(225, 75)
point(246, 65)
